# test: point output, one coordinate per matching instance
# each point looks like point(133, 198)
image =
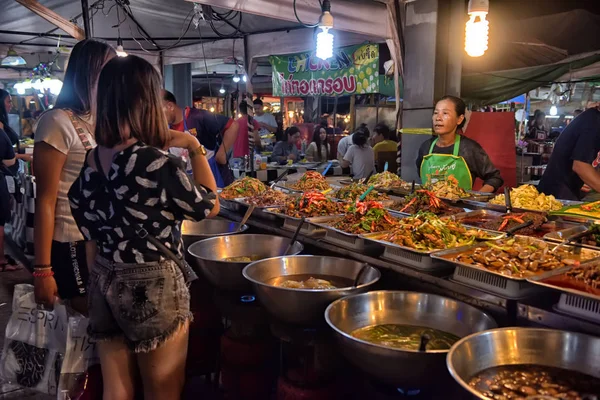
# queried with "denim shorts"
point(144, 303)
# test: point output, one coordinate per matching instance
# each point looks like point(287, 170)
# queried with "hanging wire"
point(300, 21)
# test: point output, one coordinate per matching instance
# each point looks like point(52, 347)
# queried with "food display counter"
point(535, 306)
point(403, 281)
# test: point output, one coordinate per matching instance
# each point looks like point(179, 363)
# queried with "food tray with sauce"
point(501, 208)
point(419, 259)
point(501, 284)
point(242, 201)
point(479, 219)
point(341, 238)
point(291, 223)
point(578, 298)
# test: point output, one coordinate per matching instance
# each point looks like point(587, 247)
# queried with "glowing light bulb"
point(244, 78)
point(324, 44)
point(120, 51)
point(553, 111)
point(222, 90)
point(477, 28)
point(19, 88)
point(212, 109)
point(291, 114)
point(236, 77)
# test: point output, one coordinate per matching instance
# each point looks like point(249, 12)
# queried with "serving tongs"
point(507, 200)
point(280, 177)
point(573, 238)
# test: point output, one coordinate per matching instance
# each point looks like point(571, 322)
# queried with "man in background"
point(265, 120)
point(217, 133)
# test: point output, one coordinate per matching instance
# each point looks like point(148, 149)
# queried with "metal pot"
point(208, 255)
point(402, 368)
point(304, 306)
point(511, 346)
point(208, 228)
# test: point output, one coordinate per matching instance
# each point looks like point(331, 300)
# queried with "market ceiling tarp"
point(495, 87)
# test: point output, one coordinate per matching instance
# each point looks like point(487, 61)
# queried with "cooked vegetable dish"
point(311, 204)
point(354, 191)
point(522, 381)
point(506, 222)
point(310, 283)
point(425, 201)
point(520, 257)
point(311, 180)
point(366, 217)
point(448, 189)
point(426, 232)
point(268, 198)
point(386, 180)
point(528, 197)
point(591, 210)
point(244, 187)
point(406, 337)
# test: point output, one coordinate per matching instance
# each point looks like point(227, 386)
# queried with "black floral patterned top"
point(151, 189)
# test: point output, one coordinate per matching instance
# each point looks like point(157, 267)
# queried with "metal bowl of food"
point(525, 361)
point(382, 332)
point(208, 228)
point(222, 259)
point(285, 288)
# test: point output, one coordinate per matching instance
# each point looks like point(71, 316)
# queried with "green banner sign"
point(351, 70)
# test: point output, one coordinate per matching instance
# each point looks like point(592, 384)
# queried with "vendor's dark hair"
point(360, 138)
point(80, 82)
point(459, 106)
point(383, 130)
point(258, 102)
point(169, 97)
point(3, 111)
point(129, 97)
point(243, 108)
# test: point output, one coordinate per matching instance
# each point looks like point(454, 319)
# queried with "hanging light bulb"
point(236, 77)
point(553, 111)
point(244, 78)
point(222, 90)
point(324, 38)
point(477, 28)
point(212, 109)
point(120, 51)
point(19, 88)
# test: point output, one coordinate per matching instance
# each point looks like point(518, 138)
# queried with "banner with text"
point(351, 70)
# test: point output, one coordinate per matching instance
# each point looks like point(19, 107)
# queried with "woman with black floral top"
point(130, 190)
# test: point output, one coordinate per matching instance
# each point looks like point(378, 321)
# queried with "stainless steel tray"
point(559, 236)
point(243, 203)
point(291, 223)
point(405, 255)
point(588, 254)
point(474, 214)
point(341, 238)
point(502, 208)
point(412, 257)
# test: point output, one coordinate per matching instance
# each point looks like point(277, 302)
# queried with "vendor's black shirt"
point(477, 160)
point(580, 141)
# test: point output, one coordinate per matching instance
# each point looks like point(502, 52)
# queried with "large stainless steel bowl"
point(402, 368)
point(510, 346)
point(208, 228)
point(208, 256)
point(304, 306)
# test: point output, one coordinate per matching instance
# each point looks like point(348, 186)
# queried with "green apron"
point(437, 167)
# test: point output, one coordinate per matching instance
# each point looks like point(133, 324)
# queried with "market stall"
point(436, 246)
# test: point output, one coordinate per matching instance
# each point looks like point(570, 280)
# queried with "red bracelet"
point(39, 274)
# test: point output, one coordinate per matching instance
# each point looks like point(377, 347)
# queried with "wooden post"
point(352, 113)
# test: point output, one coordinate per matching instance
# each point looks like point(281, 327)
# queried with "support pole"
point(86, 18)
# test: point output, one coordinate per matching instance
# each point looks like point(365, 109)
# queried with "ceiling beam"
point(52, 17)
point(348, 15)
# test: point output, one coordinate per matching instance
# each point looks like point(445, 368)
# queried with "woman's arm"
point(49, 163)
point(229, 138)
point(484, 169)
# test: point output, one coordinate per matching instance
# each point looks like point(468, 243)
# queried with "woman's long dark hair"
point(317, 140)
point(129, 96)
point(79, 85)
point(12, 135)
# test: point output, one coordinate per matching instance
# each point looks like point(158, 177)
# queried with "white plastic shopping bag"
point(80, 356)
point(35, 342)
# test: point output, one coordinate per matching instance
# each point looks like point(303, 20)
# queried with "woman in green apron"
point(449, 155)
